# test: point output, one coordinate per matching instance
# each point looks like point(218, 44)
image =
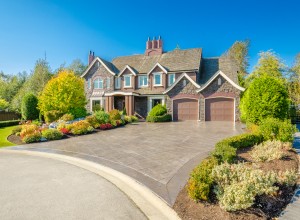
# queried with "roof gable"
point(103, 62)
point(225, 77)
point(127, 67)
point(178, 80)
point(160, 67)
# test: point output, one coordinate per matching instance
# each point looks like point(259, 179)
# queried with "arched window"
point(219, 81)
point(98, 83)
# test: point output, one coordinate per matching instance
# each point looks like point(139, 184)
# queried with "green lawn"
point(4, 133)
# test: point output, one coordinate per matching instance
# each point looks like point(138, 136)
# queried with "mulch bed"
point(15, 139)
point(265, 207)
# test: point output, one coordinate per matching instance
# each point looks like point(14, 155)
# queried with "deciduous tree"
point(64, 93)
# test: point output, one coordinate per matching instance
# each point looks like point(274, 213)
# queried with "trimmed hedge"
point(242, 140)
point(158, 110)
point(225, 150)
point(163, 118)
point(29, 107)
point(9, 123)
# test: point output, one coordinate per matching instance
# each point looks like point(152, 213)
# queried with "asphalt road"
point(41, 188)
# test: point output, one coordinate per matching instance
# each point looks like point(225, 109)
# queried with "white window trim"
point(154, 74)
point(141, 86)
point(150, 98)
point(98, 78)
point(119, 83)
point(101, 99)
point(169, 76)
point(130, 86)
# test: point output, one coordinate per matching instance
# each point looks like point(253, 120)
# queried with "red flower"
point(64, 130)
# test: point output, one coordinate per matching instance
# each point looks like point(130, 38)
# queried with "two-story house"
point(192, 87)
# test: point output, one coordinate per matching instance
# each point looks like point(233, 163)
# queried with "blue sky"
point(67, 29)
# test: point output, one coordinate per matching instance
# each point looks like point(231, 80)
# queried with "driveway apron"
point(159, 155)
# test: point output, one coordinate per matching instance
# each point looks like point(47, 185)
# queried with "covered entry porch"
point(121, 100)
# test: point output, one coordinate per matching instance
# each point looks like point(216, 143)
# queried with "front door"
point(156, 102)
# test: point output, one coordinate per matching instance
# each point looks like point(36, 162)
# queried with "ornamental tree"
point(64, 93)
point(3, 104)
point(29, 107)
point(265, 97)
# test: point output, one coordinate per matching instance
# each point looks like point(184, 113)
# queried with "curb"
point(150, 204)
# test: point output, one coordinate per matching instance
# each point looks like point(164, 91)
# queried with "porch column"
point(130, 105)
point(106, 104)
point(127, 104)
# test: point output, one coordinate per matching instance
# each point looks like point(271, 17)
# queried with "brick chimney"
point(154, 47)
point(91, 57)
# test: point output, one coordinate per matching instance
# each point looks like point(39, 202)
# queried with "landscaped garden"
point(59, 112)
point(252, 175)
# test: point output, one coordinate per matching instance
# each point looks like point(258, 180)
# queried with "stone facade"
point(96, 71)
point(140, 106)
point(183, 89)
point(225, 89)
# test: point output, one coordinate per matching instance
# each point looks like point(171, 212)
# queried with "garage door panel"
point(219, 109)
point(185, 109)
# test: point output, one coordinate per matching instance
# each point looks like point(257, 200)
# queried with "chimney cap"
point(159, 37)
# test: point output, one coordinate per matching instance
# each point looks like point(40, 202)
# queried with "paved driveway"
point(159, 156)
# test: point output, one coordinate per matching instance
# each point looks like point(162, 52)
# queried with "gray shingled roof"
point(176, 60)
point(209, 66)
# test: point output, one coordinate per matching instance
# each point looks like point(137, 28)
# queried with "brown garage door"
point(219, 109)
point(185, 109)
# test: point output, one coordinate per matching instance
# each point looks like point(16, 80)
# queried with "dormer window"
point(98, 83)
point(127, 81)
point(143, 81)
point(157, 77)
point(171, 79)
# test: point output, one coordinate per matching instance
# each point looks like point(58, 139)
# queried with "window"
point(89, 83)
point(184, 82)
point(98, 83)
point(108, 82)
point(117, 83)
point(171, 79)
point(127, 81)
point(157, 79)
point(143, 81)
point(219, 81)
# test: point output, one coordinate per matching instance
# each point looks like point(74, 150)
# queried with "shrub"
point(158, 110)
point(265, 97)
point(28, 129)
point(134, 118)
point(52, 115)
point(52, 134)
point(9, 123)
point(127, 119)
point(224, 153)
point(16, 129)
point(64, 130)
point(81, 127)
point(114, 115)
point(102, 117)
point(93, 121)
point(113, 123)
point(163, 118)
point(67, 117)
point(65, 93)
point(79, 112)
point(200, 182)
point(275, 129)
point(289, 177)
point(124, 112)
point(106, 126)
point(32, 137)
point(269, 150)
point(242, 140)
point(239, 184)
point(29, 107)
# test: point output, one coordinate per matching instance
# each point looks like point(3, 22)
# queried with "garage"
point(219, 109)
point(185, 109)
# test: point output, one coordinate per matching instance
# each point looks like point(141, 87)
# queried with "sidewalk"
point(292, 211)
